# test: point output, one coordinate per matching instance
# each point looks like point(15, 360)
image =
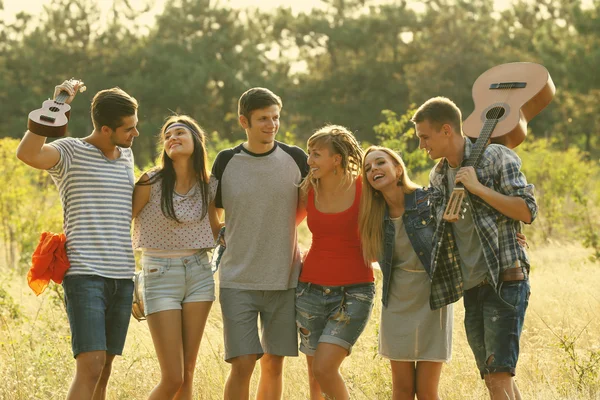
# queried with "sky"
point(12, 7)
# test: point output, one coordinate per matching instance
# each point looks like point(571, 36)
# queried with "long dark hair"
point(166, 172)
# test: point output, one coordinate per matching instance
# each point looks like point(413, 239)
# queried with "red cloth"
point(49, 261)
point(335, 256)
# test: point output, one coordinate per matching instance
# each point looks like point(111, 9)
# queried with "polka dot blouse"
point(151, 229)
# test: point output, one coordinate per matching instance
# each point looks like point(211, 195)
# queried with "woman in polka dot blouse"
point(175, 224)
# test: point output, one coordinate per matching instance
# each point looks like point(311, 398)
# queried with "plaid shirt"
point(499, 169)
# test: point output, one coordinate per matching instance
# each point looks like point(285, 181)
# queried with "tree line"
point(343, 64)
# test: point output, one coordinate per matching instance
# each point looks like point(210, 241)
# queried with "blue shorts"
point(170, 282)
point(99, 310)
point(494, 322)
point(332, 314)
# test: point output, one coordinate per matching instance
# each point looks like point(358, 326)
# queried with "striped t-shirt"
point(95, 193)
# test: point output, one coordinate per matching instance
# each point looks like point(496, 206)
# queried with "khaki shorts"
point(241, 308)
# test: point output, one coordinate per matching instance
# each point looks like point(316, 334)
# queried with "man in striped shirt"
point(95, 179)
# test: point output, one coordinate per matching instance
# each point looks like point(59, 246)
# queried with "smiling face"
point(381, 170)
point(434, 141)
point(178, 142)
point(123, 136)
point(322, 161)
point(262, 126)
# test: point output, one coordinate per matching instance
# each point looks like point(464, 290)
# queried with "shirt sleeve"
point(217, 172)
point(512, 182)
point(66, 149)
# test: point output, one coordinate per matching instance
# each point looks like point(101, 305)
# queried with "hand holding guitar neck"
point(506, 98)
point(51, 120)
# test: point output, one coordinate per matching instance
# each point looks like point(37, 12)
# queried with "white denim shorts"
point(170, 282)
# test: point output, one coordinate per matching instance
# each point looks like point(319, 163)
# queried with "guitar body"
point(50, 120)
point(512, 94)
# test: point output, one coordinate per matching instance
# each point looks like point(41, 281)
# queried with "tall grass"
point(36, 360)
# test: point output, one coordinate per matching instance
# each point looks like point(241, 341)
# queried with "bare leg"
point(516, 389)
point(165, 328)
point(326, 364)
point(500, 386)
point(403, 380)
point(194, 321)
point(315, 388)
point(237, 386)
point(88, 369)
point(428, 379)
point(270, 386)
point(100, 390)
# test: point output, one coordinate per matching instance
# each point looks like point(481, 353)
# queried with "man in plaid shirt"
point(478, 256)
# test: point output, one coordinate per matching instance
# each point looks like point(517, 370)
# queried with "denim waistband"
point(335, 289)
point(168, 262)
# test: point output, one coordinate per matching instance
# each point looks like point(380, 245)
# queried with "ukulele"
point(51, 120)
point(506, 98)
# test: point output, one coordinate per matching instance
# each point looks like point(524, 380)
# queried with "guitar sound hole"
point(54, 109)
point(495, 113)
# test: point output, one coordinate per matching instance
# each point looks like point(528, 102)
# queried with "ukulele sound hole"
point(495, 113)
point(54, 109)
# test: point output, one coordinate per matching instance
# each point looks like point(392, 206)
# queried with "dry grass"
point(36, 360)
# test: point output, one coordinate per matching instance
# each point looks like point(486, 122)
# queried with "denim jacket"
point(419, 225)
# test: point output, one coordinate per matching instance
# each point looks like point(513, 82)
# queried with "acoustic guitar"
point(506, 98)
point(51, 120)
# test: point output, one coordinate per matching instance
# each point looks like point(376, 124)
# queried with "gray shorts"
point(241, 308)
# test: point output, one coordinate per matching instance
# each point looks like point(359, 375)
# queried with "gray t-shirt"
point(259, 193)
point(473, 266)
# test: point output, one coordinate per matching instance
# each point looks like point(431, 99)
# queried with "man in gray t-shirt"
point(258, 189)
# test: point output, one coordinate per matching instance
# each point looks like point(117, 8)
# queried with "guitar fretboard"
point(481, 142)
point(62, 97)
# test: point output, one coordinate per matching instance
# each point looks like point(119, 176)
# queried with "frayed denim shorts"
point(332, 314)
point(170, 282)
point(494, 322)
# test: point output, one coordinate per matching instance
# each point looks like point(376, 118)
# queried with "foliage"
point(398, 133)
point(29, 205)
point(341, 63)
point(566, 187)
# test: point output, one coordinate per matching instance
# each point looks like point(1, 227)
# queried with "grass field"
point(36, 360)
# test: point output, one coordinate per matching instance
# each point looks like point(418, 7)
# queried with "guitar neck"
point(481, 142)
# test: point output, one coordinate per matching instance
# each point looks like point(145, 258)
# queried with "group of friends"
point(360, 206)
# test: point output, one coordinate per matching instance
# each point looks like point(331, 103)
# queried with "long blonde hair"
point(372, 207)
point(339, 140)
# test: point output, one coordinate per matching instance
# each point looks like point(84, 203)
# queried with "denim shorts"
point(170, 282)
point(494, 322)
point(99, 310)
point(332, 314)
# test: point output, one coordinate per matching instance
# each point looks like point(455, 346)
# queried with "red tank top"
point(335, 255)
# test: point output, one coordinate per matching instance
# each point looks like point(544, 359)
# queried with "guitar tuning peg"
point(464, 210)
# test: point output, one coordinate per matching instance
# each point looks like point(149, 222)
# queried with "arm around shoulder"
point(141, 195)
point(34, 152)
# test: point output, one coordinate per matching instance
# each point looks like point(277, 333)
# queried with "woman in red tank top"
point(335, 292)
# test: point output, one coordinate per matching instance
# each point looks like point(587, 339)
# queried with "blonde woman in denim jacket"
point(396, 227)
